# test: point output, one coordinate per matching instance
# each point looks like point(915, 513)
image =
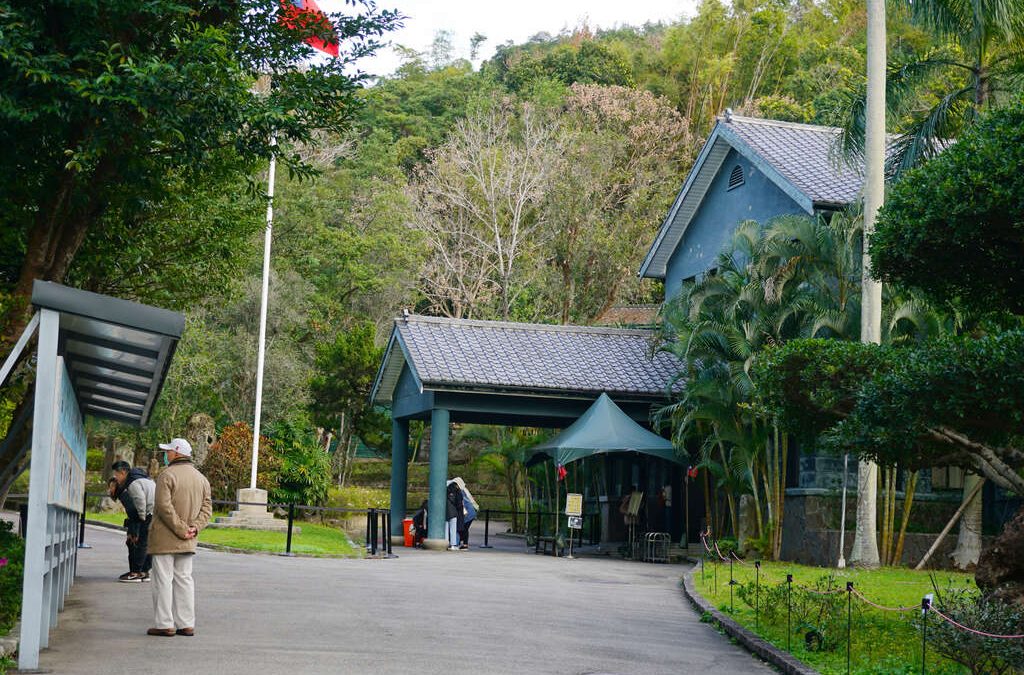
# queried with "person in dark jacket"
point(454, 514)
point(419, 523)
point(135, 491)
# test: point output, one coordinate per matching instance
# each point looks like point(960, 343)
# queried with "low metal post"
point(81, 523)
point(926, 604)
point(487, 529)
point(789, 613)
point(715, 567)
point(373, 531)
point(757, 593)
point(22, 518)
point(368, 516)
point(849, 619)
point(291, 521)
point(387, 533)
point(536, 546)
point(732, 582)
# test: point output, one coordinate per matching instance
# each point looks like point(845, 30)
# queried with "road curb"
point(753, 643)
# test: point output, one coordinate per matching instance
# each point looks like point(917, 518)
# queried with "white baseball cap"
point(178, 445)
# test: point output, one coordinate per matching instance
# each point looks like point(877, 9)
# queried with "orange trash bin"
point(407, 531)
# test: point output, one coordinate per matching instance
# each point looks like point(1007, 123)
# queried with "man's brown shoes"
point(187, 632)
point(164, 632)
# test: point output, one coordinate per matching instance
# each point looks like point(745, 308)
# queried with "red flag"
point(306, 16)
point(562, 472)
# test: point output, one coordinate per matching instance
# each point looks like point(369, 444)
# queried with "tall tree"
point(626, 149)
point(106, 104)
point(479, 204)
point(865, 541)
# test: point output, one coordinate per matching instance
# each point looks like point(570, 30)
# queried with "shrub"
point(12, 561)
point(819, 611)
point(229, 462)
point(977, 653)
point(359, 498)
point(304, 476)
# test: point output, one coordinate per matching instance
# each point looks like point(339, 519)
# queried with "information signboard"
point(575, 522)
point(574, 504)
point(67, 458)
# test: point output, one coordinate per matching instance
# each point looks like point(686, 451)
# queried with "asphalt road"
point(480, 611)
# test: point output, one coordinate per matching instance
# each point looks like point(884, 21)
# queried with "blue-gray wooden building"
point(445, 370)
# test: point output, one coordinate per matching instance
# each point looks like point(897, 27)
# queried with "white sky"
point(501, 21)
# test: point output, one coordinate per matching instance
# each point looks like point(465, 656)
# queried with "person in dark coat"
point(454, 514)
point(419, 523)
point(136, 491)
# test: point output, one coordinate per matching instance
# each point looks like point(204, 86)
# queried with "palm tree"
point(981, 64)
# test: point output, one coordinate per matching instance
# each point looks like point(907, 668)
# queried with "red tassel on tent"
point(562, 471)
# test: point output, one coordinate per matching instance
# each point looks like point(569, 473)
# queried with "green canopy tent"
point(602, 428)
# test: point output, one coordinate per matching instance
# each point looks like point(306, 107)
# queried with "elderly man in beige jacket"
point(182, 508)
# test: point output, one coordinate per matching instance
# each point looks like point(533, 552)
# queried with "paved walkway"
point(479, 611)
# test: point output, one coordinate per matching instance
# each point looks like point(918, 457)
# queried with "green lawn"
point(313, 540)
point(882, 641)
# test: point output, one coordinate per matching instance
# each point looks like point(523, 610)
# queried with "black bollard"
point(291, 521)
point(373, 532)
point(387, 534)
point(536, 546)
point(22, 518)
point(81, 522)
point(487, 529)
point(368, 516)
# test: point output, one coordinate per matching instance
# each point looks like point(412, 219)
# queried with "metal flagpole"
point(263, 311)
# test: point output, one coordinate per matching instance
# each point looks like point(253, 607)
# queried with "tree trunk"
point(968, 543)
point(908, 503)
point(108, 455)
point(865, 541)
point(865, 544)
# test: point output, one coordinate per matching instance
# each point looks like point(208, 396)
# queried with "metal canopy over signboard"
point(96, 356)
point(117, 352)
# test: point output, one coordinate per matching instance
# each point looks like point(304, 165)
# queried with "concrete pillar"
point(399, 477)
point(439, 419)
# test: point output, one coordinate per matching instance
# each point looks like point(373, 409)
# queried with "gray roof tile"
point(805, 154)
point(494, 354)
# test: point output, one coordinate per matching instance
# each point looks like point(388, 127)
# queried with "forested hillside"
point(527, 189)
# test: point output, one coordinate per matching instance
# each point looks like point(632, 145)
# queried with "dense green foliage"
point(599, 126)
point(229, 464)
point(12, 564)
point(796, 277)
point(114, 111)
point(305, 473)
point(961, 213)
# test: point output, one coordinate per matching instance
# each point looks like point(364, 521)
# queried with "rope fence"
point(712, 553)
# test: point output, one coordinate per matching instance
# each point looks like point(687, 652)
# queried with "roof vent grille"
point(736, 177)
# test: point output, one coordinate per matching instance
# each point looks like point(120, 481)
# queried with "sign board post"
point(574, 510)
point(56, 493)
